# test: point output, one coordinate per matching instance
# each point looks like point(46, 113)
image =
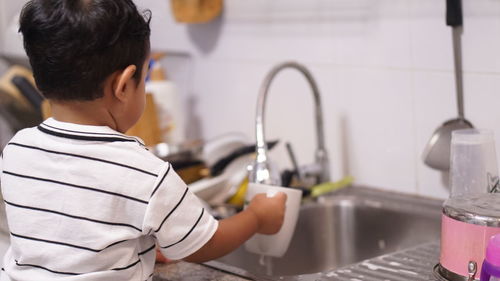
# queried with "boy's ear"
point(122, 80)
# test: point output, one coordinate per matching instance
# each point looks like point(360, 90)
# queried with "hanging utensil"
point(437, 151)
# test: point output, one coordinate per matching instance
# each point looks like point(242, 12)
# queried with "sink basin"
point(345, 227)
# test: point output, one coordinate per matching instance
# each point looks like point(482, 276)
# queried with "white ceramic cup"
point(275, 245)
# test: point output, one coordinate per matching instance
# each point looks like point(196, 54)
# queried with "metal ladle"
point(437, 151)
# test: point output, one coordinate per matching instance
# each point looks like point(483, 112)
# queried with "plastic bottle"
point(168, 104)
point(490, 270)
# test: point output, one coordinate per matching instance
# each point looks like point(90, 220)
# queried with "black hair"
point(74, 45)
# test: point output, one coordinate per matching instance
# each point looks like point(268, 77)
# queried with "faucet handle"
point(311, 174)
point(294, 161)
point(307, 175)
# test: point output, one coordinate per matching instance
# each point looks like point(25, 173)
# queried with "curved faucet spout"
point(262, 171)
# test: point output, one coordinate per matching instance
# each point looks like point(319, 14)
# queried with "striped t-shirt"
point(88, 203)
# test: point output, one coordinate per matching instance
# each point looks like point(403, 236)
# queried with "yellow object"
point(238, 199)
point(196, 11)
point(326, 187)
point(147, 127)
point(192, 173)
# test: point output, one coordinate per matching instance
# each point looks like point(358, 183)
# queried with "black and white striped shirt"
point(88, 203)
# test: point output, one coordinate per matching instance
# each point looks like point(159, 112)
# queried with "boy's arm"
point(183, 228)
point(231, 233)
point(263, 215)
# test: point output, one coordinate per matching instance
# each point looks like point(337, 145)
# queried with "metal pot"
point(467, 224)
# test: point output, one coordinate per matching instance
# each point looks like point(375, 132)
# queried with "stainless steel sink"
point(345, 227)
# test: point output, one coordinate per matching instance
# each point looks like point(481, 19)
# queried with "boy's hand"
point(160, 257)
point(270, 212)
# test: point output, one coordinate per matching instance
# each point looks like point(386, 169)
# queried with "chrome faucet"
point(263, 170)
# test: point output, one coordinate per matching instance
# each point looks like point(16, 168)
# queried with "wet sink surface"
point(349, 226)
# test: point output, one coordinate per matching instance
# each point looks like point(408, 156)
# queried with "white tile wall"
point(384, 68)
point(434, 103)
point(10, 39)
point(380, 115)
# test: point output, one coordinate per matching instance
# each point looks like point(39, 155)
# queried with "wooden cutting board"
point(147, 127)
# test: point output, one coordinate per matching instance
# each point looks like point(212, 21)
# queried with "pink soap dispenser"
point(490, 270)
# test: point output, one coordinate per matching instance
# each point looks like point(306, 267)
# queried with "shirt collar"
point(57, 128)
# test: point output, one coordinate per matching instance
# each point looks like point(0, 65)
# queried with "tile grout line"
point(414, 105)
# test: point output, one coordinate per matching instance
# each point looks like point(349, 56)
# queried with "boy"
point(84, 201)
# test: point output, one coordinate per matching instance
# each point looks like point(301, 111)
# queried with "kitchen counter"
point(414, 264)
point(185, 271)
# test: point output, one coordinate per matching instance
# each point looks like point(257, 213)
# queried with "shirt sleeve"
point(176, 217)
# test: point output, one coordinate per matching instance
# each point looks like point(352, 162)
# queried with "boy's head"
point(75, 45)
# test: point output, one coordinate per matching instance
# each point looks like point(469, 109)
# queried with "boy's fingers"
point(281, 195)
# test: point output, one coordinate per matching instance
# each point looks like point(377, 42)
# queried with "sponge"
point(326, 187)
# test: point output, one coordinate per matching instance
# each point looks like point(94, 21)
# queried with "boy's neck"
point(83, 112)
